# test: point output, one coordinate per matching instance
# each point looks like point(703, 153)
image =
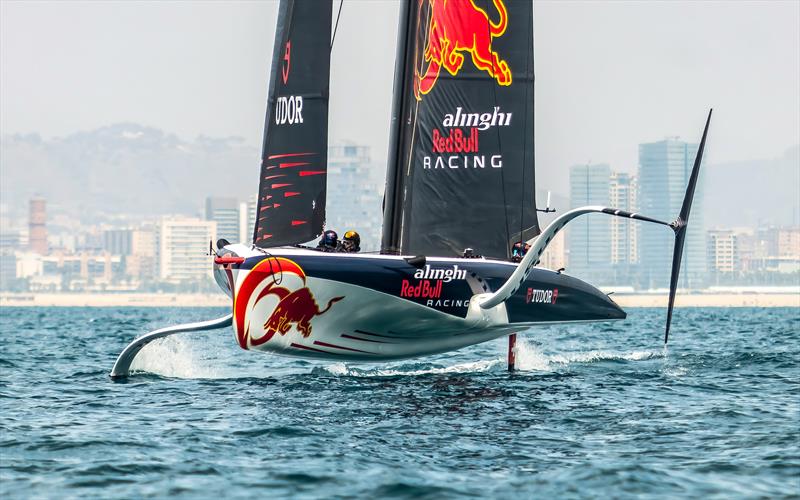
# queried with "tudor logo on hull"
point(537, 296)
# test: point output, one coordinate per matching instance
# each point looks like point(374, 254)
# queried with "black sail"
point(291, 193)
point(461, 159)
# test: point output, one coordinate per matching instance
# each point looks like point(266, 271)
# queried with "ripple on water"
point(593, 410)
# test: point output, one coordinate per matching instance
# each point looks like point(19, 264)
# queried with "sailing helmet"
point(329, 239)
point(518, 250)
point(351, 241)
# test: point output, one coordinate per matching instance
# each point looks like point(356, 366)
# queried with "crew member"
point(518, 251)
point(351, 243)
point(329, 241)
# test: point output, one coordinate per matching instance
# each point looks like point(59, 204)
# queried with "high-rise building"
point(117, 241)
point(225, 212)
point(182, 249)
point(37, 219)
point(589, 237)
point(8, 268)
point(664, 170)
point(623, 191)
point(10, 239)
point(723, 251)
point(247, 219)
point(789, 242)
point(141, 264)
point(354, 194)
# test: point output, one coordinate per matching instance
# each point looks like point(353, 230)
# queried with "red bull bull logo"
point(459, 28)
point(295, 307)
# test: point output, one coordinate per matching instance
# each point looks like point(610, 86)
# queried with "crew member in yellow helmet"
point(351, 243)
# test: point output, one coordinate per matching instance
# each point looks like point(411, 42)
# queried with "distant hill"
point(125, 168)
point(128, 168)
point(756, 192)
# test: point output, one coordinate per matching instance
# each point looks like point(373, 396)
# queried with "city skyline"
point(140, 155)
point(51, 251)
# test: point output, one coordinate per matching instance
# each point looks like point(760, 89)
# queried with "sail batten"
point(461, 168)
point(292, 184)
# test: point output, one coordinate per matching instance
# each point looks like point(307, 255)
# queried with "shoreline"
point(632, 300)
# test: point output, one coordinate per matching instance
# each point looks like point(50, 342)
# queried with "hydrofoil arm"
point(678, 226)
point(540, 243)
point(123, 364)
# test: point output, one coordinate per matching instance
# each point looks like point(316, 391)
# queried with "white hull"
point(344, 321)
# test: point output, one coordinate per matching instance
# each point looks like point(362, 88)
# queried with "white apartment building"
point(723, 251)
point(226, 213)
point(182, 249)
point(555, 255)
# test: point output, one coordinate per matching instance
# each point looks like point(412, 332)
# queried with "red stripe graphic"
point(304, 173)
point(296, 164)
point(270, 157)
point(289, 194)
point(274, 176)
point(276, 186)
point(310, 348)
point(383, 336)
point(325, 344)
point(346, 336)
point(298, 222)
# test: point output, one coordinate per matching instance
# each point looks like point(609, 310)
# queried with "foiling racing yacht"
point(461, 164)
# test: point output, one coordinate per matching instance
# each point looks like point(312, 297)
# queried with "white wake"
point(193, 357)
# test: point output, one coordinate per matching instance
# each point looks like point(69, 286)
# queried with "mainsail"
point(291, 193)
point(461, 162)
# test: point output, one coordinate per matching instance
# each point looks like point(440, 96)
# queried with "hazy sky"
point(609, 74)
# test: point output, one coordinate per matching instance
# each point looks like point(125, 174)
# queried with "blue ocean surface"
point(598, 410)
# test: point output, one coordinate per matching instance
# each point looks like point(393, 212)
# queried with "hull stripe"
point(325, 344)
point(346, 336)
point(383, 336)
point(299, 346)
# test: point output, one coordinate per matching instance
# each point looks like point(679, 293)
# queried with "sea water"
point(599, 410)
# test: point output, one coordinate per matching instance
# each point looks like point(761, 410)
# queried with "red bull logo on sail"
point(459, 28)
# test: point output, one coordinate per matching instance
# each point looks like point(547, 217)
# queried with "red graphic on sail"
point(458, 28)
point(287, 61)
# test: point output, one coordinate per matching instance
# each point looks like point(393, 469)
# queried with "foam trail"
point(341, 369)
point(531, 358)
point(205, 356)
point(175, 357)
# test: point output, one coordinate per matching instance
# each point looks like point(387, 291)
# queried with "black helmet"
point(329, 239)
point(351, 241)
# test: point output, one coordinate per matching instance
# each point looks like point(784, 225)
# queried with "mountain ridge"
point(145, 171)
